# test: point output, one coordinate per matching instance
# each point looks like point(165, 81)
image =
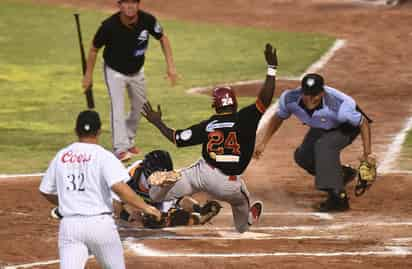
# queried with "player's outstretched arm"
point(264, 134)
point(129, 196)
point(268, 88)
point(155, 118)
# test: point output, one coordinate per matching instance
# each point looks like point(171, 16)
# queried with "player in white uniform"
point(79, 180)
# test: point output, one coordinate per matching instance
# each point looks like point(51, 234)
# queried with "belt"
point(86, 216)
point(230, 177)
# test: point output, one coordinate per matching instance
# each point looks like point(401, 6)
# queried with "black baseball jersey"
point(124, 48)
point(228, 140)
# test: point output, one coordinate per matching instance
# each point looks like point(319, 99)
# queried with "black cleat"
point(335, 203)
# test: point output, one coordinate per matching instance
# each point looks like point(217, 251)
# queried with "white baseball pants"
point(81, 236)
point(201, 177)
point(124, 128)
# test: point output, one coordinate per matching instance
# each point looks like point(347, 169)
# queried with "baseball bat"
point(89, 90)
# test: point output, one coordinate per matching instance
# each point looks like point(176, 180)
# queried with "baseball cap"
point(88, 123)
point(312, 84)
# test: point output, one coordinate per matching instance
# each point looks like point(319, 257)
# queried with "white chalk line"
point(325, 58)
point(325, 216)
point(16, 176)
point(232, 237)
point(316, 66)
point(142, 250)
point(394, 149)
point(277, 228)
point(29, 265)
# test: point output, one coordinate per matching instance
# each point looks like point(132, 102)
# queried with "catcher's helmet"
point(157, 160)
point(224, 97)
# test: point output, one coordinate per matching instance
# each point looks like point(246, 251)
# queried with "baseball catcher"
point(157, 169)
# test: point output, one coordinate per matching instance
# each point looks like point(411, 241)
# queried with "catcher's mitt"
point(164, 178)
point(174, 217)
point(209, 211)
point(366, 176)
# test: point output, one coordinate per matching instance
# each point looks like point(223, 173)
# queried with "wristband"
point(271, 71)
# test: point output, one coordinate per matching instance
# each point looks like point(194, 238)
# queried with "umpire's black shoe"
point(335, 203)
point(349, 174)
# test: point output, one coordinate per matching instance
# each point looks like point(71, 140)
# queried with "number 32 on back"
point(75, 182)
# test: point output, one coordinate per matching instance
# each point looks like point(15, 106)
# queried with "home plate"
point(245, 235)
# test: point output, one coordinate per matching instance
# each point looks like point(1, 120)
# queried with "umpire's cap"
point(88, 123)
point(312, 84)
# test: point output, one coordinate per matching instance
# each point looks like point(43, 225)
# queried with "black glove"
point(270, 56)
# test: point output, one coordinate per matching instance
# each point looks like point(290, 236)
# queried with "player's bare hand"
point(87, 82)
point(133, 212)
point(271, 56)
point(150, 114)
point(172, 75)
point(150, 210)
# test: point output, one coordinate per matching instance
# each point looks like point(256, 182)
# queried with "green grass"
point(40, 77)
point(406, 153)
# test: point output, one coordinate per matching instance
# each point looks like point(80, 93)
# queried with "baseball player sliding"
point(79, 180)
point(228, 140)
point(182, 211)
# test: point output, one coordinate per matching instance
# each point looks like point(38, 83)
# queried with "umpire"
point(125, 37)
point(335, 122)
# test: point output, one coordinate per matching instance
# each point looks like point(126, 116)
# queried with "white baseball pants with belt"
point(201, 177)
point(80, 236)
point(124, 128)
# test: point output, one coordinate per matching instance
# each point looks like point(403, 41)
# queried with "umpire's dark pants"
point(319, 155)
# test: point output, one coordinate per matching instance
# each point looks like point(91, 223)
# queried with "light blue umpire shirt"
point(336, 108)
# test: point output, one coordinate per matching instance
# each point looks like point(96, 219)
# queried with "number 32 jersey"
point(82, 175)
point(228, 139)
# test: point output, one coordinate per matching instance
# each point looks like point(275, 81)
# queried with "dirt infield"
point(374, 68)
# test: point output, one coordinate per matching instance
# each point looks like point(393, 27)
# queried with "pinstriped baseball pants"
point(81, 236)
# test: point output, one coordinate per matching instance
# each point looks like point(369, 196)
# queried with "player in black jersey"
point(125, 37)
point(228, 141)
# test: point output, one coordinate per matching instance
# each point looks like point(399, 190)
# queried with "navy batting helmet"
point(157, 160)
point(224, 97)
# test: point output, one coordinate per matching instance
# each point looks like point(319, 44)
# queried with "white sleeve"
point(48, 183)
point(113, 170)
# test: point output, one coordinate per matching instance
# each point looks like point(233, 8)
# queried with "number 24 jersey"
point(228, 139)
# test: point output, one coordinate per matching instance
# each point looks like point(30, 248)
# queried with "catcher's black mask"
point(157, 160)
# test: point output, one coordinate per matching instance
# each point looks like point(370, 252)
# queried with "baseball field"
point(217, 42)
point(44, 77)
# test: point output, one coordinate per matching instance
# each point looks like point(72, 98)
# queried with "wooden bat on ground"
point(89, 91)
